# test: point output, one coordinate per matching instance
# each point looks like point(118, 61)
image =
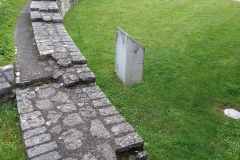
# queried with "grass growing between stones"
point(9, 10)
point(11, 145)
point(191, 71)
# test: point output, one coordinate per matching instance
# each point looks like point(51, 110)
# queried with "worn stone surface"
point(67, 127)
point(5, 88)
point(52, 155)
point(132, 140)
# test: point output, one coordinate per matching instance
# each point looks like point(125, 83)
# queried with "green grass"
point(11, 145)
point(191, 71)
point(9, 11)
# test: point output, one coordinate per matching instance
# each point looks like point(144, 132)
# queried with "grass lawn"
point(191, 71)
point(11, 145)
point(9, 11)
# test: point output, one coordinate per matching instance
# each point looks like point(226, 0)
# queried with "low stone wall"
point(65, 5)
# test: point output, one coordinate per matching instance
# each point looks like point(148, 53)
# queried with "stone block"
point(67, 108)
point(108, 111)
point(70, 79)
point(41, 149)
point(52, 155)
point(33, 132)
point(72, 120)
point(64, 62)
point(5, 88)
point(122, 128)
point(87, 77)
point(132, 140)
point(97, 129)
point(37, 140)
point(114, 119)
point(45, 104)
point(107, 151)
point(101, 103)
point(30, 120)
point(129, 59)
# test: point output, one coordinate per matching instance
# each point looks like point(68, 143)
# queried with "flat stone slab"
point(232, 113)
point(77, 122)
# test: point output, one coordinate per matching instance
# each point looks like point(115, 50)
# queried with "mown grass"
point(191, 71)
point(11, 145)
point(9, 11)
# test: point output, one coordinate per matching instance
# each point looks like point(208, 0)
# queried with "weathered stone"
point(70, 70)
point(5, 88)
point(47, 18)
point(60, 97)
point(70, 79)
point(114, 119)
point(45, 104)
point(72, 139)
point(45, 53)
point(9, 75)
point(43, 7)
point(91, 89)
point(33, 132)
point(77, 58)
point(132, 140)
point(41, 149)
point(88, 112)
point(88, 156)
point(57, 74)
point(52, 155)
point(82, 69)
point(53, 116)
point(97, 129)
point(87, 77)
point(37, 140)
point(24, 106)
point(58, 56)
point(67, 108)
point(101, 103)
point(48, 69)
point(73, 119)
point(45, 93)
point(30, 120)
point(64, 62)
point(107, 151)
point(2, 80)
point(96, 95)
point(108, 111)
point(8, 67)
point(56, 129)
point(122, 128)
point(31, 95)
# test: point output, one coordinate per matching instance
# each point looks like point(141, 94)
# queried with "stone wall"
point(65, 5)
